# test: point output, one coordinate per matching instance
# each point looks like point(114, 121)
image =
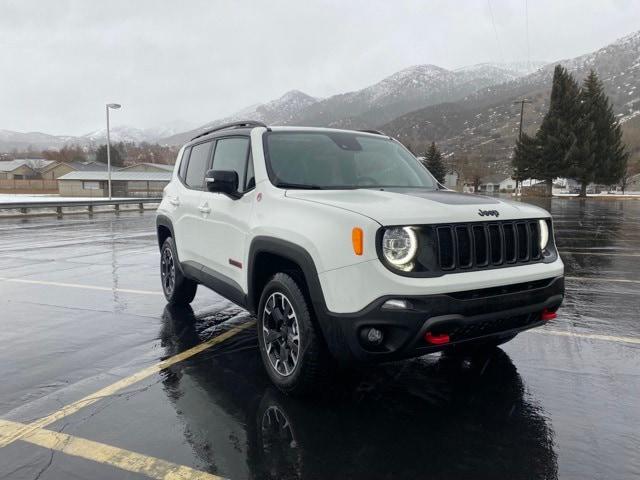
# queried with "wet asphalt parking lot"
point(99, 379)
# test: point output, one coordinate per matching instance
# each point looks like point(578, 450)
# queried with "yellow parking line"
point(591, 336)
point(78, 285)
point(119, 385)
point(106, 454)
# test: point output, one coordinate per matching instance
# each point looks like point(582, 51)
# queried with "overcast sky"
point(195, 61)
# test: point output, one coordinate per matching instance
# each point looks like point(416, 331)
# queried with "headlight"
point(544, 234)
point(399, 245)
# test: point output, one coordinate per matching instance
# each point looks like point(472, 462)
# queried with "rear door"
point(189, 217)
point(226, 225)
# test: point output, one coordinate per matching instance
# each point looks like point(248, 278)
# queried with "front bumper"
point(464, 316)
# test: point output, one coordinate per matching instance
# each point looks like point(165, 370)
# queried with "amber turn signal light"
point(357, 240)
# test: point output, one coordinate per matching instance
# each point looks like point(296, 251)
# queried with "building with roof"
point(22, 168)
point(496, 183)
point(123, 184)
point(148, 167)
point(58, 169)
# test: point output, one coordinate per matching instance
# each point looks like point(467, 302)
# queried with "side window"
point(183, 163)
point(198, 162)
point(231, 154)
point(251, 178)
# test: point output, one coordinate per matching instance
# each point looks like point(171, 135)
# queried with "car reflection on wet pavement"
point(441, 416)
point(81, 310)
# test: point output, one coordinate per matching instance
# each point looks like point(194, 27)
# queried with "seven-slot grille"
point(477, 245)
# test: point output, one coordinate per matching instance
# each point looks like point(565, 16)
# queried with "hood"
point(415, 207)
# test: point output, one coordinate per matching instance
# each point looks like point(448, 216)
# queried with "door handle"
point(204, 208)
point(175, 201)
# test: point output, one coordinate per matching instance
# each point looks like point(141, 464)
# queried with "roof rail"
point(239, 123)
point(375, 132)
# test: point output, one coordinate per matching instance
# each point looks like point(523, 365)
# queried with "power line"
point(495, 31)
point(526, 16)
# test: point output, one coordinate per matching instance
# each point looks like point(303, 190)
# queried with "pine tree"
point(556, 135)
point(598, 153)
point(434, 163)
point(116, 157)
point(525, 157)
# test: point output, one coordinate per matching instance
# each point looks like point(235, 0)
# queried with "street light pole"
point(115, 106)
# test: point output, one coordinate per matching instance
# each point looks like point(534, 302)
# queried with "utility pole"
point(521, 102)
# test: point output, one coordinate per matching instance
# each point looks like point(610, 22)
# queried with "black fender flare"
point(292, 252)
point(164, 221)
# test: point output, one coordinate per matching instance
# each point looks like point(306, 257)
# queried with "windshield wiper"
point(299, 186)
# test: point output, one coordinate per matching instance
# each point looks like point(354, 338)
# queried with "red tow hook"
point(436, 338)
point(547, 315)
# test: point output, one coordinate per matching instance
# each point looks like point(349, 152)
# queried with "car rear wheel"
point(291, 348)
point(178, 290)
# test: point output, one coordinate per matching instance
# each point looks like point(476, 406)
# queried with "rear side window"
point(197, 166)
point(231, 154)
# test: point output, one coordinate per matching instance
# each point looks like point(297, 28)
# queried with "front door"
point(227, 220)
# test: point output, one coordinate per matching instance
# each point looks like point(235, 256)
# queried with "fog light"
point(395, 304)
point(373, 336)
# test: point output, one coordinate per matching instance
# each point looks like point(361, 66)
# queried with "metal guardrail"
point(24, 207)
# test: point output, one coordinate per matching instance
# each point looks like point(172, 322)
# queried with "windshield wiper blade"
point(300, 186)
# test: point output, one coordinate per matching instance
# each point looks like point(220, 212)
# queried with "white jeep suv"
point(347, 249)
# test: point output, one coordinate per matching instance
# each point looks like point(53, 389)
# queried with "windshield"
point(333, 160)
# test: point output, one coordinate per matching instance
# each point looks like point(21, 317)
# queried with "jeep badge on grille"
point(488, 213)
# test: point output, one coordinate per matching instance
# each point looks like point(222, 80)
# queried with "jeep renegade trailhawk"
point(348, 250)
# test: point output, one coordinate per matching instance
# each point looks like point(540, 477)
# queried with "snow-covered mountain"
point(10, 140)
point(279, 111)
point(409, 89)
point(401, 92)
point(118, 133)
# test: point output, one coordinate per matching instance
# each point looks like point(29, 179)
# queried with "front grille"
point(490, 244)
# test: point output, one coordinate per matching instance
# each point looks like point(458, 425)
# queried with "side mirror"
point(222, 181)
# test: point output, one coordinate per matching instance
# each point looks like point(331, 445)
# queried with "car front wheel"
point(292, 350)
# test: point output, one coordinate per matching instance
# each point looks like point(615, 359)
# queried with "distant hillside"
point(395, 95)
point(485, 123)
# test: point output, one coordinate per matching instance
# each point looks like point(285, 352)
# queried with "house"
point(496, 183)
point(148, 167)
point(633, 185)
point(22, 168)
point(451, 180)
point(123, 184)
point(58, 169)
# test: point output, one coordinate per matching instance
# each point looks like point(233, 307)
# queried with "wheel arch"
point(288, 256)
point(164, 229)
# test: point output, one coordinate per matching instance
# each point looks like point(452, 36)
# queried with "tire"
point(177, 289)
point(478, 347)
point(284, 312)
